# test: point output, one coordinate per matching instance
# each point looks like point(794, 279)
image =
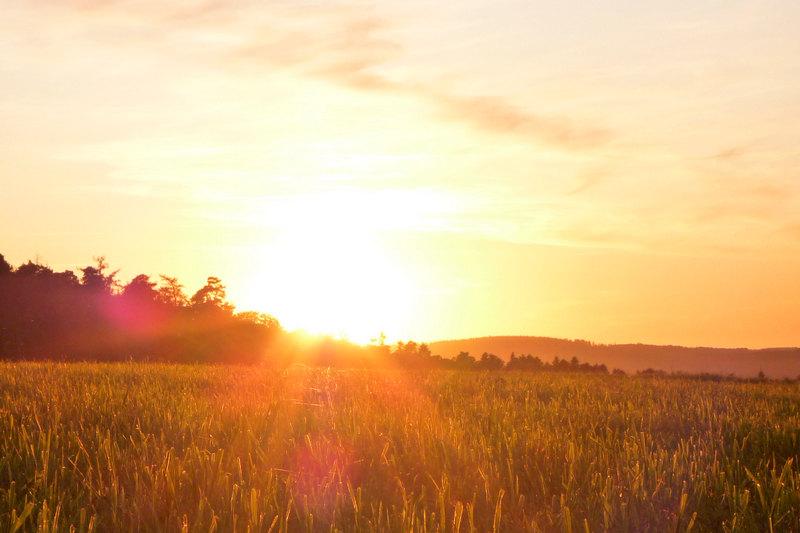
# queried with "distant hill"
point(744, 362)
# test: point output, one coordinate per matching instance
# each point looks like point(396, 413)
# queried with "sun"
point(327, 273)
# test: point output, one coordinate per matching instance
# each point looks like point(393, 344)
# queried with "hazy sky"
point(615, 171)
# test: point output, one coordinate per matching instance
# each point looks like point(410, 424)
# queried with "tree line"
point(90, 315)
point(419, 356)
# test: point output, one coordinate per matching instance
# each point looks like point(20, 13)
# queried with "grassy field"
point(132, 447)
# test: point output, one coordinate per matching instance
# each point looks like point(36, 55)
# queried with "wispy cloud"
point(356, 47)
point(346, 44)
point(498, 115)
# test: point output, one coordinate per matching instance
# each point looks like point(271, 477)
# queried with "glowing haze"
point(617, 171)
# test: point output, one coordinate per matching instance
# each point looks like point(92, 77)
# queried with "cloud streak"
point(349, 50)
point(497, 115)
point(344, 44)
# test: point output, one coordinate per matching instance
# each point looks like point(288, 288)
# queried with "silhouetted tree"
point(141, 289)
point(31, 269)
point(56, 315)
point(211, 296)
point(5, 267)
point(261, 319)
point(171, 292)
point(95, 279)
point(489, 361)
point(464, 361)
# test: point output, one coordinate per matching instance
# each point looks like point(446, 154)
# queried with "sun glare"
point(327, 273)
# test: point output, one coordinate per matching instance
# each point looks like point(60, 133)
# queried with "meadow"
point(197, 448)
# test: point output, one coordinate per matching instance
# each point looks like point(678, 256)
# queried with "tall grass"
point(127, 447)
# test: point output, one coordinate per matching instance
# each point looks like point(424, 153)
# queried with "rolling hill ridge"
point(744, 362)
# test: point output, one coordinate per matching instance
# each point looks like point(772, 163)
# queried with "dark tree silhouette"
point(171, 292)
point(95, 279)
point(489, 361)
point(141, 289)
point(5, 266)
point(465, 361)
point(58, 315)
point(212, 297)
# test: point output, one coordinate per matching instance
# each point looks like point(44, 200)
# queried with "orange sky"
point(620, 172)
